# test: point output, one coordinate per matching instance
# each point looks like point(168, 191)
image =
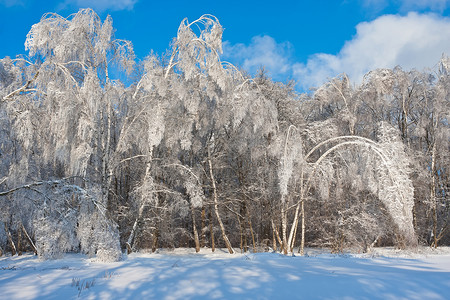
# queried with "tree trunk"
point(19, 242)
point(284, 245)
point(131, 236)
point(433, 195)
point(302, 245)
point(242, 229)
point(106, 170)
point(155, 239)
point(294, 227)
point(211, 229)
point(293, 231)
point(241, 244)
point(129, 243)
point(203, 229)
point(196, 240)
point(245, 239)
point(30, 241)
point(216, 206)
point(11, 242)
point(277, 234)
point(251, 230)
point(274, 240)
point(291, 249)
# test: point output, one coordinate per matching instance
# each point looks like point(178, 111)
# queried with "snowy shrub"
point(53, 237)
point(396, 189)
point(97, 235)
point(109, 244)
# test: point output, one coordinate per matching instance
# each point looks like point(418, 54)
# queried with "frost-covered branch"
point(22, 89)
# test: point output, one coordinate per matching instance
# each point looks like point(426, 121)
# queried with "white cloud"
point(412, 41)
point(102, 5)
point(262, 51)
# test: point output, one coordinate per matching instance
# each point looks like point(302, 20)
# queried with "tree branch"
point(24, 88)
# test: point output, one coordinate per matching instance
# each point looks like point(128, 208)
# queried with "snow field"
point(182, 274)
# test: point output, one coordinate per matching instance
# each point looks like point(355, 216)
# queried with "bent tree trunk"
point(277, 235)
point(216, 206)
point(13, 246)
point(401, 202)
point(132, 233)
point(30, 241)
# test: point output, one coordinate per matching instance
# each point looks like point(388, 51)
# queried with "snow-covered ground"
point(182, 274)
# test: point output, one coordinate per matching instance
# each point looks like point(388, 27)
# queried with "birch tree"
point(73, 98)
point(395, 188)
point(194, 146)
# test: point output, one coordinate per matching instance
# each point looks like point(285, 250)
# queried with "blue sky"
point(308, 41)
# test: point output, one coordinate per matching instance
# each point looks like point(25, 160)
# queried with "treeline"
point(192, 152)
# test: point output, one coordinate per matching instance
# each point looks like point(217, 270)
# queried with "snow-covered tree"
point(192, 147)
point(64, 112)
